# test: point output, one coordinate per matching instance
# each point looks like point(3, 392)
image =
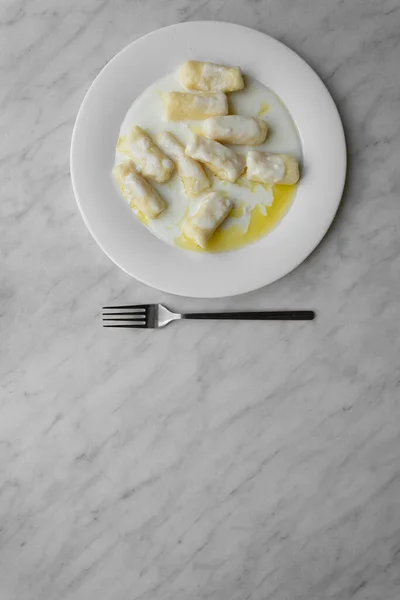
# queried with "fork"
point(154, 316)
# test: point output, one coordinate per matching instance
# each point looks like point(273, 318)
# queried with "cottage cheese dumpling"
point(222, 161)
point(265, 167)
point(211, 213)
point(235, 129)
point(210, 77)
point(181, 106)
point(149, 159)
point(137, 191)
point(192, 174)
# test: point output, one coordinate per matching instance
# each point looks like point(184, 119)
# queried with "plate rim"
point(323, 230)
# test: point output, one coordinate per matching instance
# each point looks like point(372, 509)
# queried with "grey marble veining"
point(228, 461)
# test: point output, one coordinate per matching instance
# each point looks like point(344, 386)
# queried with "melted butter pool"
point(261, 222)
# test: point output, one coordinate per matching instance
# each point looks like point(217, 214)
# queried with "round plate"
point(110, 220)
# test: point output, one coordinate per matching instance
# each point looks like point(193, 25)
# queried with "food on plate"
point(265, 167)
point(181, 106)
point(222, 161)
point(235, 129)
point(209, 77)
point(137, 191)
point(150, 161)
point(192, 174)
point(211, 213)
point(208, 153)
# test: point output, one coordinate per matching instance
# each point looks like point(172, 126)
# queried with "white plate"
point(110, 220)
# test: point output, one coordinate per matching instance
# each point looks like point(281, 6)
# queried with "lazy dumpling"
point(222, 161)
point(211, 213)
point(137, 191)
point(272, 168)
point(180, 106)
point(191, 172)
point(148, 158)
point(235, 129)
point(210, 77)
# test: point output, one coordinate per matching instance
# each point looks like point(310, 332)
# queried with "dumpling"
point(222, 161)
point(272, 168)
point(148, 158)
point(209, 77)
point(137, 191)
point(192, 174)
point(180, 106)
point(235, 129)
point(211, 213)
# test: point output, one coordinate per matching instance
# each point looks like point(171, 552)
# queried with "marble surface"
point(219, 461)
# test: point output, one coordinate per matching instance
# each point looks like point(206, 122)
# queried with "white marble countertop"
point(220, 461)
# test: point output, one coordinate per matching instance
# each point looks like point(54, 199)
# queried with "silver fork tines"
point(153, 316)
point(130, 316)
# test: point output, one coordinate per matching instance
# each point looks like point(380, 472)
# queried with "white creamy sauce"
point(147, 112)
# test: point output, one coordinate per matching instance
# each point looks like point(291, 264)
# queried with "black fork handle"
point(265, 315)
